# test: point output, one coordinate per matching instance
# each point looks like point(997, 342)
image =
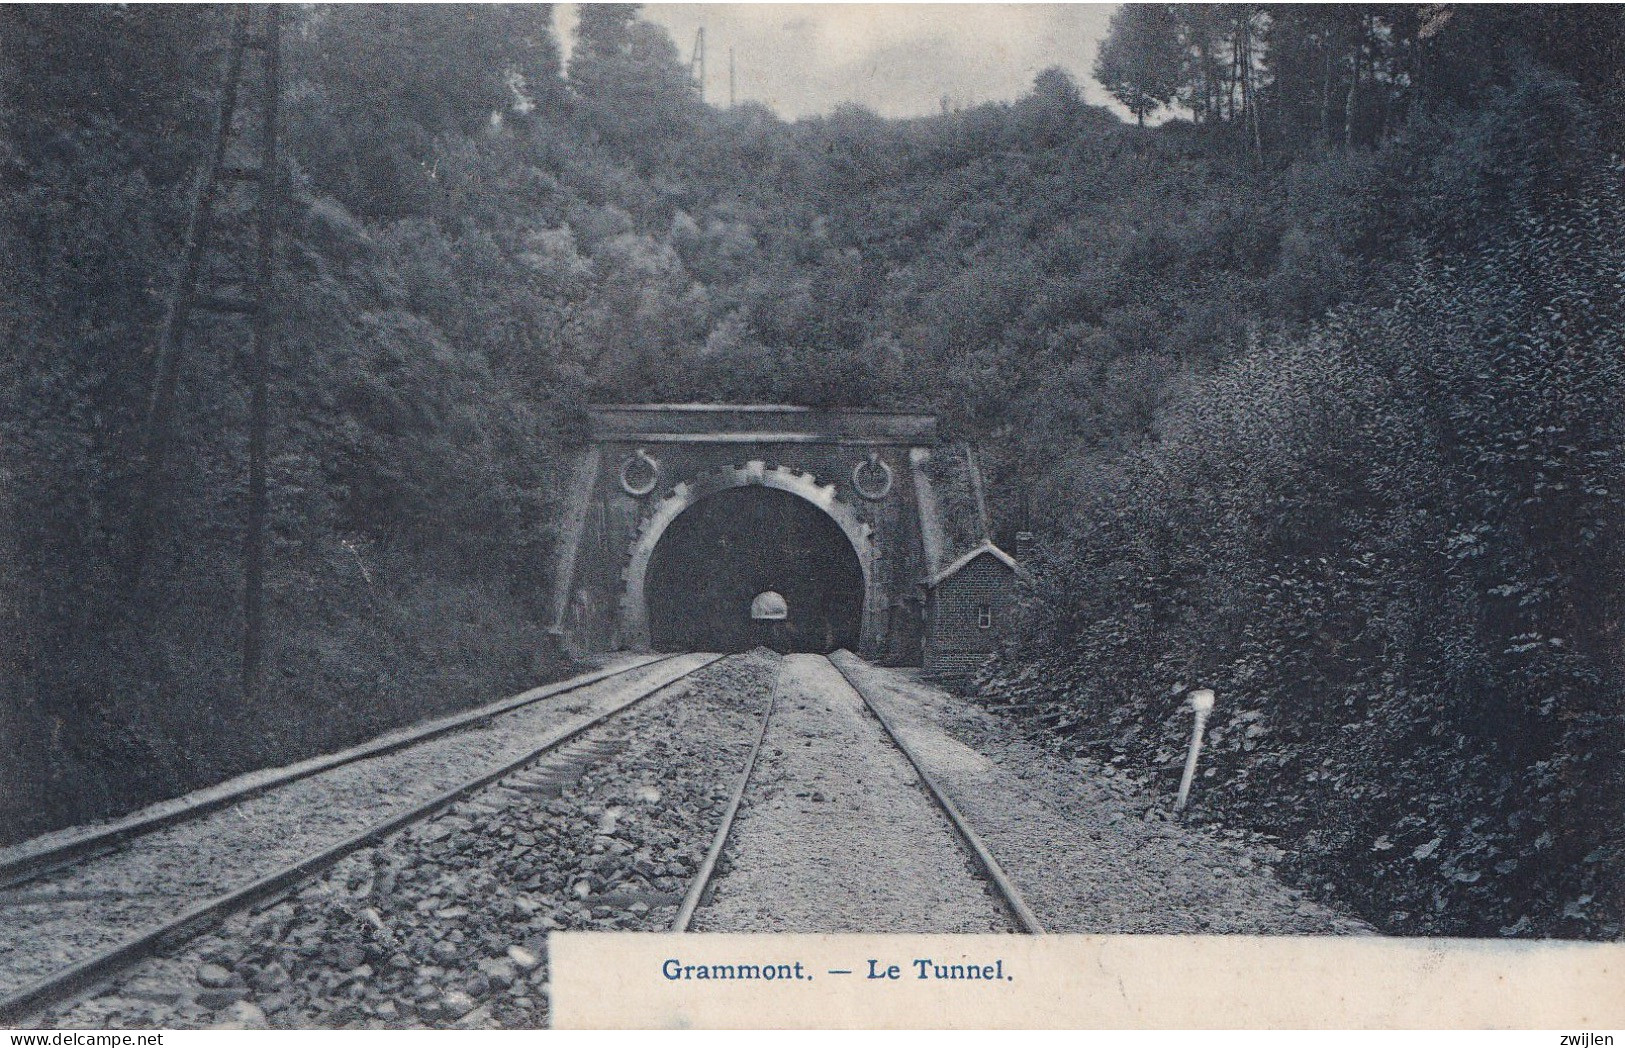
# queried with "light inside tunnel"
point(725, 550)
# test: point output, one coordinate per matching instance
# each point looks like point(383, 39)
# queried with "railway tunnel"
point(726, 549)
point(683, 515)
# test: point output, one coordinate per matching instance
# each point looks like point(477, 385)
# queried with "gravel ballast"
point(1089, 849)
point(72, 914)
point(444, 924)
point(836, 833)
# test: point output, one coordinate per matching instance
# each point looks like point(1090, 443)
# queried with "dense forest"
point(1308, 379)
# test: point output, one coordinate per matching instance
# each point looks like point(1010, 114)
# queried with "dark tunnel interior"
point(725, 549)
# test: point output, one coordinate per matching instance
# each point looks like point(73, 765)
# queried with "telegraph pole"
point(730, 76)
point(259, 342)
point(226, 270)
point(696, 62)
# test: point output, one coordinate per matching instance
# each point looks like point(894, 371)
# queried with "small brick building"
point(969, 606)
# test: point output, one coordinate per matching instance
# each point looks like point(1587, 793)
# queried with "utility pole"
point(226, 270)
point(730, 76)
point(696, 62)
point(259, 342)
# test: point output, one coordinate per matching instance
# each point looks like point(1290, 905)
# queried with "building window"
point(984, 616)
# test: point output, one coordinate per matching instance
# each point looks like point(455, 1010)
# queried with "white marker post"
point(1201, 701)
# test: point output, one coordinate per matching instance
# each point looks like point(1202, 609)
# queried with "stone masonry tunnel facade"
point(681, 515)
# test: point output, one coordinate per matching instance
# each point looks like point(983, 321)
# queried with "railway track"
point(999, 881)
point(30, 864)
point(713, 854)
point(552, 760)
point(1001, 886)
point(119, 925)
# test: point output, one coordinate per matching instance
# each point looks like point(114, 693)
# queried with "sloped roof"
point(984, 549)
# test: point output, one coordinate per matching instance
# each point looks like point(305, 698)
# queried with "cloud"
point(896, 59)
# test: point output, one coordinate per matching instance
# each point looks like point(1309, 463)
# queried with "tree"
point(631, 85)
point(1054, 87)
point(390, 79)
point(141, 68)
point(1139, 61)
point(603, 31)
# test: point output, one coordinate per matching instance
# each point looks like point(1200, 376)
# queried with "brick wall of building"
point(955, 640)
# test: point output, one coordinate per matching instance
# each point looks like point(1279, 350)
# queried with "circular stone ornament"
point(640, 473)
point(872, 478)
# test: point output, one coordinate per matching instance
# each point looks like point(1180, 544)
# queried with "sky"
point(897, 59)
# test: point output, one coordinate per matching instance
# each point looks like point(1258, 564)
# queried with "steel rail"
point(1000, 880)
point(31, 866)
point(205, 915)
point(702, 878)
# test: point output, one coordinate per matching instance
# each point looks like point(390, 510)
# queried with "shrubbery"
point(1394, 549)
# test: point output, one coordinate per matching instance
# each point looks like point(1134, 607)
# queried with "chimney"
point(1024, 545)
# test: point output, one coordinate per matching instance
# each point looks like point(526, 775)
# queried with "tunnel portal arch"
point(635, 612)
point(906, 505)
point(753, 566)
